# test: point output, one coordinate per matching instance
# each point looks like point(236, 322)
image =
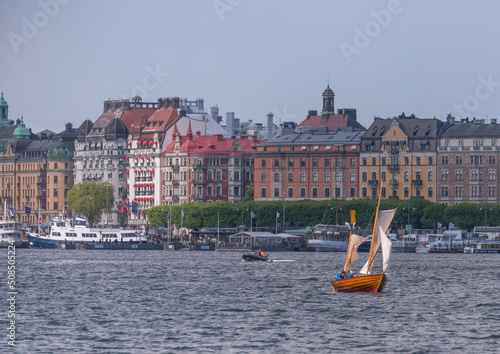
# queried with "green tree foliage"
point(248, 196)
point(90, 199)
point(422, 213)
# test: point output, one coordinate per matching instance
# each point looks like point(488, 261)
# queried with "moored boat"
point(11, 234)
point(65, 231)
point(483, 247)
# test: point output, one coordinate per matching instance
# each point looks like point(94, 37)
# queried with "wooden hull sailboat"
point(363, 284)
point(368, 282)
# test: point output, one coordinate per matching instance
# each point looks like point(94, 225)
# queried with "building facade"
point(468, 162)
point(317, 166)
point(400, 153)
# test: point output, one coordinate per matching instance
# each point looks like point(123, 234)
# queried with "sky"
point(60, 59)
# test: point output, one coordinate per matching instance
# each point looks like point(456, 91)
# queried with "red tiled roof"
point(130, 117)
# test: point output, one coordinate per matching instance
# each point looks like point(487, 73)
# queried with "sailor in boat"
point(340, 276)
point(350, 274)
point(261, 253)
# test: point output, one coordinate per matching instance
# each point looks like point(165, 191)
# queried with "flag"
point(182, 212)
point(74, 214)
point(80, 221)
point(135, 207)
point(11, 211)
point(452, 226)
point(440, 225)
point(252, 214)
point(277, 214)
point(27, 210)
point(124, 208)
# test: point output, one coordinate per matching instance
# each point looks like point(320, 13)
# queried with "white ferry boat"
point(64, 231)
point(11, 234)
point(483, 247)
point(329, 238)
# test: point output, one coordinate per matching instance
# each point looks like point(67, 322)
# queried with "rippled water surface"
point(154, 301)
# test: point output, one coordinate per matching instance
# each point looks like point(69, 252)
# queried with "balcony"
point(417, 182)
point(373, 183)
point(393, 166)
point(394, 182)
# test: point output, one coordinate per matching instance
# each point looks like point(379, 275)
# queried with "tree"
point(248, 196)
point(90, 199)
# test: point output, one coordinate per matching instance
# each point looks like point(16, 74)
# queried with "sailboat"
point(366, 281)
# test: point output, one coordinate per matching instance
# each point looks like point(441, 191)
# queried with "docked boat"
point(483, 247)
point(63, 230)
point(366, 281)
point(11, 234)
point(329, 238)
point(258, 256)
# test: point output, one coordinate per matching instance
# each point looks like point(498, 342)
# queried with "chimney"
point(311, 113)
point(107, 106)
point(270, 126)
point(450, 119)
point(69, 126)
point(230, 122)
point(214, 112)
point(200, 104)
point(182, 113)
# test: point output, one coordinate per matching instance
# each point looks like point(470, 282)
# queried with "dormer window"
point(374, 131)
point(382, 131)
point(428, 130)
point(415, 131)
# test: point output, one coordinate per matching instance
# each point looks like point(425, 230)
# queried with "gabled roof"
point(472, 130)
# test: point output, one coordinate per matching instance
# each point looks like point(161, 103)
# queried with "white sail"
point(356, 241)
point(386, 252)
point(384, 221)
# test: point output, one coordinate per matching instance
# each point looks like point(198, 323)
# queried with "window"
point(276, 163)
point(302, 192)
point(363, 177)
point(418, 160)
point(444, 160)
point(315, 192)
point(374, 176)
point(337, 162)
point(263, 192)
point(263, 163)
point(407, 178)
point(302, 177)
point(352, 192)
point(491, 191)
point(290, 192)
point(374, 161)
point(276, 192)
point(491, 175)
point(458, 191)
point(302, 162)
point(280, 149)
point(383, 176)
point(460, 142)
point(353, 162)
point(352, 177)
point(430, 176)
point(364, 161)
point(55, 179)
point(491, 159)
point(429, 192)
point(431, 160)
point(383, 161)
point(363, 191)
point(56, 193)
point(327, 176)
point(327, 162)
point(263, 177)
point(315, 162)
point(290, 177)
point(56, 207)
point(337, 177)
point(383, 192)
point(327, 192)
point(210, 191)
point(290, 162)
point(276, 177)
point(218, 175)
point(444, 191)
point(407, 192)
point(444, 174)
point(315, 177)
point(458, 174)
point(458, 160)
point(407, 161)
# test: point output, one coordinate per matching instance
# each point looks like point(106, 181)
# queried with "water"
point(154, 301)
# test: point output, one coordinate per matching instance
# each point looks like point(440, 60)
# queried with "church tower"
point(328, 102)
point(4, 112)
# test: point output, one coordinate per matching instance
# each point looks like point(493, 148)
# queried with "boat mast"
point(371, 258)
point(349, 252)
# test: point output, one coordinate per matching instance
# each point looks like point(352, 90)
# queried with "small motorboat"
point(257, 256)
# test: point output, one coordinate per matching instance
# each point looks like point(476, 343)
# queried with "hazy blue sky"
point(58, 64)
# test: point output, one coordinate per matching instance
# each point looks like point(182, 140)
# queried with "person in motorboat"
point(261, 253)
point(340, 276)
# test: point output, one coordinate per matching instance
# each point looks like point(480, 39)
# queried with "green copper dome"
point(4, 112)
point(21, 132)
point(3, 103)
